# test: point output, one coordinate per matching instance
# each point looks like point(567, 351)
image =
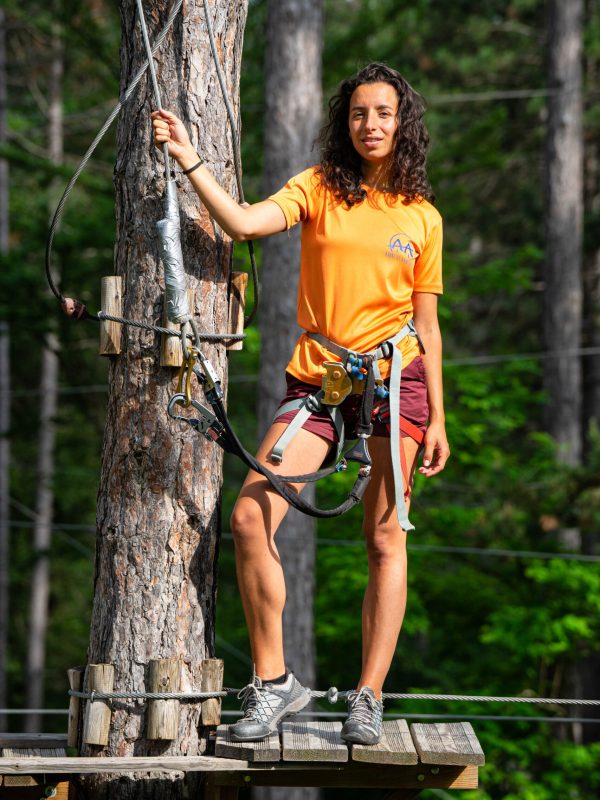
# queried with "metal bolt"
point(336, 374)
point(247, 778)
point(421, 777)
point(435, 770)
point(335, 395)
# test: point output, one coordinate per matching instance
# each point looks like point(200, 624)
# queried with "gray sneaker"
point(265, 705)
point(365, 717)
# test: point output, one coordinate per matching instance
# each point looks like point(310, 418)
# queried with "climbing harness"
point(355, 372)
point(215, 426)
point(346, 377)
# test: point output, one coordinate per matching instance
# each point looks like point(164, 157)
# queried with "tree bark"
point(158, 503)
point(42, 530)
point(564, 227)
point(293, 111)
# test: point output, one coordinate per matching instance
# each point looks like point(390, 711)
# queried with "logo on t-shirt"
point(400, 246)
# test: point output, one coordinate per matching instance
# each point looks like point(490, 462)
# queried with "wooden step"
point(453, 743)
point(396, 746)
point(313, 741)
point(266, 750)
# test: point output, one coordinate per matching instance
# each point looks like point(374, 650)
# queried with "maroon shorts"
point(413, 405)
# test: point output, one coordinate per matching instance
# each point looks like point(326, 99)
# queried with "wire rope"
point(108, 122)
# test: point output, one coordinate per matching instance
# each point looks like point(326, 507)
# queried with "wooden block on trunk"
point(453, 743)
point(396, 746)
point(266, 750)
point(313, 741)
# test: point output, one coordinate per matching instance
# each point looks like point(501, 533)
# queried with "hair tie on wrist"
point(191, 169)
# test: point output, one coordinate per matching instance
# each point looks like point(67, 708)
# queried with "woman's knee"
point(385, 541)
point(247, 520)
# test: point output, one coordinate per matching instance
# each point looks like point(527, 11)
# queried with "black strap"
point(280, 482)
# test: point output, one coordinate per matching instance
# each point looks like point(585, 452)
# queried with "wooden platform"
point(407, 759)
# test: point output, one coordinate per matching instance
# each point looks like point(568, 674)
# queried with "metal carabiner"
point(207, 424)
point(185, 375)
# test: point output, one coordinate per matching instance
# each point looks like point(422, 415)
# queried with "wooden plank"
point(353, 775)
point(313, 741)
point(243, 773)
point(237, 304)
point(45, 787)
point(20, 780)
point(31, 752)
point(77, 765)
point(47, 740)
point(111, 302)
point(96, 723)
point(396, 746)
point(162, 717)
point(212, 681)
point(447, 743)
point(266, 750)
point(75, 676)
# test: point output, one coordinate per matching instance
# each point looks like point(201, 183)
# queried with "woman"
point(370, 261)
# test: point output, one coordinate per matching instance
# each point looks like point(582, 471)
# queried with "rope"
point(98, 138)
point(100, 135)
point(332, 695)
point(209, 337)
point(237, 163)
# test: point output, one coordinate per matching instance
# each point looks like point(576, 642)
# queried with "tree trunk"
point(158, 503)
point(4, 391)
point(4, 518)
point(563, 296)
point(591, 267)
point(564, 224)
point(42, 530)
point(293, 110)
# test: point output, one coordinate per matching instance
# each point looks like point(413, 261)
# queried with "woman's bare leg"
point(254, 522)
point(385, 597)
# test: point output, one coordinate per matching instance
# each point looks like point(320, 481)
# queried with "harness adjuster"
point(386, 348)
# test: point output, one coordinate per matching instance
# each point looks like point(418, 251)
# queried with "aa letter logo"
point(401, 247)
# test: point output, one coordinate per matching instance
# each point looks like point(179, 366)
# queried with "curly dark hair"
point(340, 164)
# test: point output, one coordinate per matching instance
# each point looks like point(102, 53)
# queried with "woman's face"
point(373, 120)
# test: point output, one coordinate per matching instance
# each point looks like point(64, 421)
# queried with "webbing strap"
point(299, 405)
point(292, 429)
point(386, 350)
point(395, 442)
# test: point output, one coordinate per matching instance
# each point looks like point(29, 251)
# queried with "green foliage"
point(477, 621)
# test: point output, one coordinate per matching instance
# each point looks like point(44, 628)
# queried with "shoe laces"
point(363, 706)
point(258, 704)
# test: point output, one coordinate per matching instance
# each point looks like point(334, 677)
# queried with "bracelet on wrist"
point(192, 168)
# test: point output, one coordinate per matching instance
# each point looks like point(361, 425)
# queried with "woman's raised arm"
point(239, 222)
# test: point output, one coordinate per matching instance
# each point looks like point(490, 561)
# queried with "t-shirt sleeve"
point(428, 267)
point(296, 197)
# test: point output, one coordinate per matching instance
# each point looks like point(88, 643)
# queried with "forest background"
point(486, 615)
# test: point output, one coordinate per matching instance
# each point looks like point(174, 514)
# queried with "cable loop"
point(332, 695)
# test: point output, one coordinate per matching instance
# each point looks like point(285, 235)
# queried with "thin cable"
point(97, 139)
point(237, 163)
point(336, 714)
point(333, 696)
point(157, 100)
point(450, 549)
point(209, 337)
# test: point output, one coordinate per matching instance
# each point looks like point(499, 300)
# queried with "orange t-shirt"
point(359, 267)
